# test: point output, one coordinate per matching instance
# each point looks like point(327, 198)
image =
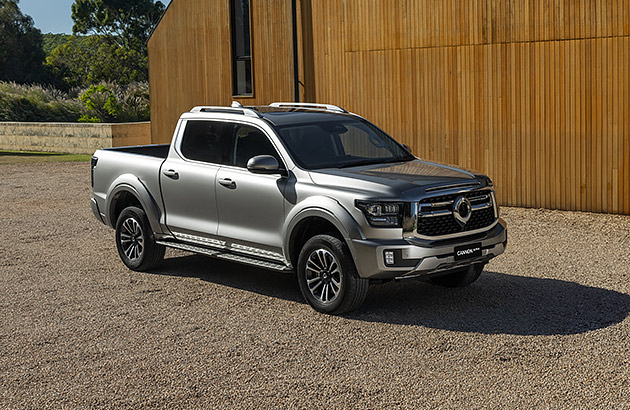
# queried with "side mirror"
point(263, 164)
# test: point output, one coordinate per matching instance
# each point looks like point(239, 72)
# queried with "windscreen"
point(340, 143)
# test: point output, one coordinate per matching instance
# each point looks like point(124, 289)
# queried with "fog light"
point(389, 257)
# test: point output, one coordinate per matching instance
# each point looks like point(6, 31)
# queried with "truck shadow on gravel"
point(497, 303)
point(261, 281)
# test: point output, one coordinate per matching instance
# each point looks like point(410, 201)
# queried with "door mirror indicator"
point(263, 164)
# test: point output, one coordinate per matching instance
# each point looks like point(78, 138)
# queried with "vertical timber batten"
point(294, 44)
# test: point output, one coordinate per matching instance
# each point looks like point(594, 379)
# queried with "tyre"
point(135, 241)
point(327, 276)
point(459, 278)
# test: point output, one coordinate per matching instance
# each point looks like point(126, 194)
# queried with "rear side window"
point(205, 141)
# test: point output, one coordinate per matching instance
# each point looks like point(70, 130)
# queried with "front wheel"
point(327, 276)
point(459, 278)
point(135, 241)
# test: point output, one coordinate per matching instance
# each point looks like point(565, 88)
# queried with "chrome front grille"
point(436, 219)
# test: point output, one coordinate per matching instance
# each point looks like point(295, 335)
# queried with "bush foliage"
point(34, 103)
point(105, 102)
point(111, 102)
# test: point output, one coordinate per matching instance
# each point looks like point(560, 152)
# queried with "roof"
point(278, 116)
point(284, 116)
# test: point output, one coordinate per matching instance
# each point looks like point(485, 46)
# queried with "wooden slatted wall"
point(190, 59)
point(535, 94)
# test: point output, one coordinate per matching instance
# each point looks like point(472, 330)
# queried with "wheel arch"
point(128, 190)
point(328, 216)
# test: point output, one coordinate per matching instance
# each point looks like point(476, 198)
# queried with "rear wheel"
point(327, 276)
point(459, 278)
point(135, 241)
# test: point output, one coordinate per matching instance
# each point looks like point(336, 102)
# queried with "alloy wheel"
point(132, 239)
point(323, 277)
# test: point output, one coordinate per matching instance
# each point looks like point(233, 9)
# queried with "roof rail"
point(327, 107)
point(228, 110)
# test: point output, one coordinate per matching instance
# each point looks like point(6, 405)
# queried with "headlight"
point(382, 214)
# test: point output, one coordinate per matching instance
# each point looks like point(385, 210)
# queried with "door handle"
point(227, 182)
point(171, 173)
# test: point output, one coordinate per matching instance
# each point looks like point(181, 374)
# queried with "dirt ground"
point(546, 326)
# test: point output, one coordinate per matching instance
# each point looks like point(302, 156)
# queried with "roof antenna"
point(236, 104)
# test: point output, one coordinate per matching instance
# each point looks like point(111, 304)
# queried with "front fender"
point(130, 183)
point(326, 208)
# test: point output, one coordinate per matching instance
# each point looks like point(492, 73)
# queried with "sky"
point(52, 16)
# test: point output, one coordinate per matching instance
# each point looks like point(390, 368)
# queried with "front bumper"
point(417, 257)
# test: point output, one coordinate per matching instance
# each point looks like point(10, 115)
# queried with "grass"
point(31, 157)
point(103, 102)
point(35, 103)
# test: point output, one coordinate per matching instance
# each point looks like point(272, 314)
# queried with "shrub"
point(110, 102)
point(33, 103)
point(104, 102)
point(101, 104)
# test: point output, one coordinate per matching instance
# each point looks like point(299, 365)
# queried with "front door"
point(250, 206)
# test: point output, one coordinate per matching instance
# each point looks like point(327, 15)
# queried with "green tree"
point(128, 23)
point(52, 41)
point(21, 54)
point(84, 61)
point(115, 50)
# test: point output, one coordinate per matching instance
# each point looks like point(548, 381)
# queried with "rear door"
point(251, 206)
point(188, 179)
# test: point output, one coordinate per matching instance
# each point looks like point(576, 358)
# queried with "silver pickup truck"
point(303, 188)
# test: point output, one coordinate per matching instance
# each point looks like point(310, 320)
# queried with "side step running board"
point(277, 266)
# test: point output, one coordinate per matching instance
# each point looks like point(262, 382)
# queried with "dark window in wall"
point(241, 48)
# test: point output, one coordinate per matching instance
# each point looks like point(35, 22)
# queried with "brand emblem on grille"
point(462, 210)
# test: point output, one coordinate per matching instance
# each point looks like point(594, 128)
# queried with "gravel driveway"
point(546, 325)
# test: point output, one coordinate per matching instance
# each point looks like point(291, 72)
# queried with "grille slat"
point(436, 218)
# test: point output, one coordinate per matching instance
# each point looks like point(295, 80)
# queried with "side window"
point(249, 142)
point(204, 141)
